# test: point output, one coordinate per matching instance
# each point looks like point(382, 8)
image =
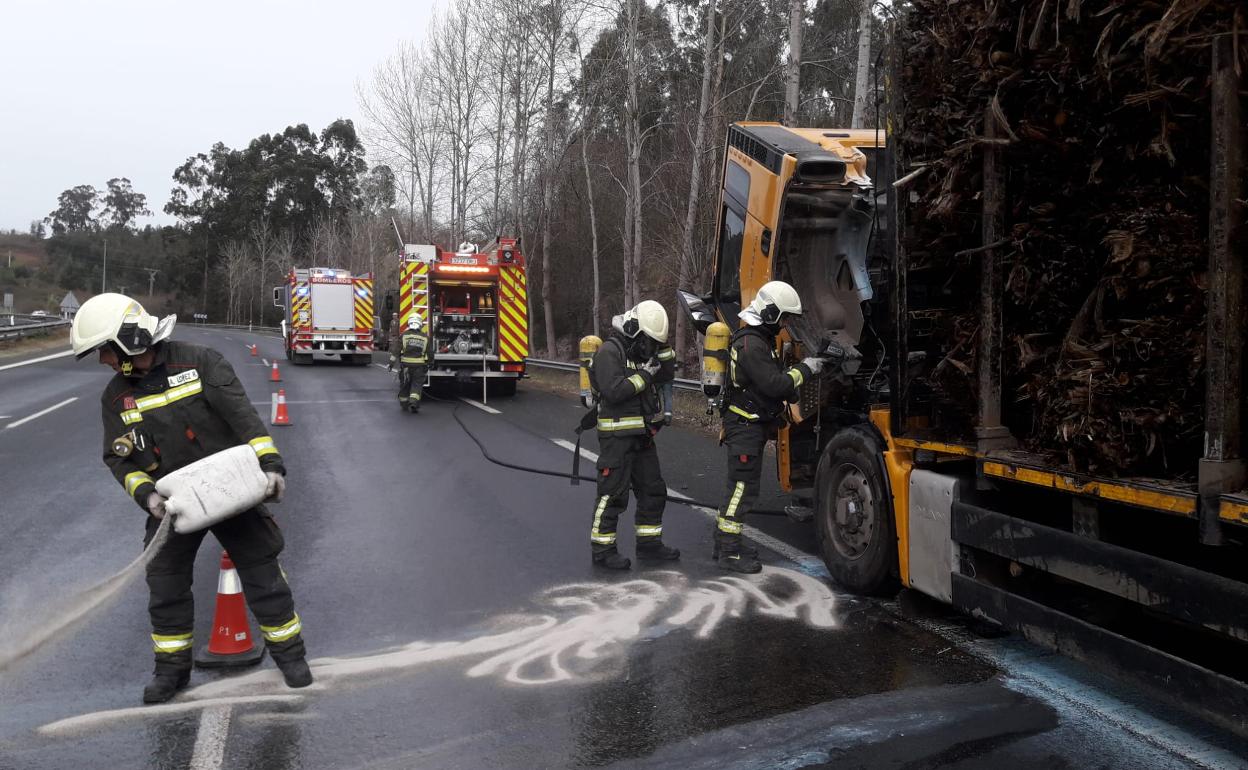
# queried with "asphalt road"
point(455, 621)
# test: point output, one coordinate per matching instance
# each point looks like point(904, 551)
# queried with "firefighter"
point(394, 341)
point(758, 386)
point(180, 403)
point(413, 364)
point(624, 372)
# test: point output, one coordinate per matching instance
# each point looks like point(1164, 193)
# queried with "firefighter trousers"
point(744, 443)
point(628, 463)
point(253, 541)
point(411, 384)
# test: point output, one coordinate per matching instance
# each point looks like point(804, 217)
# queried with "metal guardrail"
point(15, 325)
point(234, 327)
point(565, 366)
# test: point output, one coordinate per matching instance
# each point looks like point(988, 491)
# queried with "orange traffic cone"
point(253, 351)
point(231, 643)
point(276, 376)
point(280, 417)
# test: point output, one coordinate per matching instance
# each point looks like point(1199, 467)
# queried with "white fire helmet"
point(413, 323)
point(647, 317)
point(773, 300)
point(117, 319)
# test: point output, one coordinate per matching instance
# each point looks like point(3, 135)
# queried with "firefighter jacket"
point(758, 385)
point(190, 405)
point(415, 348)
point(628, 401)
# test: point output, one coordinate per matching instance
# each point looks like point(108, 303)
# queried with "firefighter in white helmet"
point(413, 364)
point(175, 403)
point(624, 373)
point(757, 389)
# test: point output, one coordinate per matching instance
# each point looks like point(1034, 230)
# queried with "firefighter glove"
point(815, 365)
point(156, 505)
point(277, 486)
point(651, 367)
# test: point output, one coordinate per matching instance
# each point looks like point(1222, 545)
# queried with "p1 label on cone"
point(213, 489)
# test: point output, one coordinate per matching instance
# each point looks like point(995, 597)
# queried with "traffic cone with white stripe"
point(231, 643)
point(276, 376)
point(280, 417)
point(254, 353)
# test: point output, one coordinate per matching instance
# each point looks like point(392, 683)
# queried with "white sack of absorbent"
point(213, 489)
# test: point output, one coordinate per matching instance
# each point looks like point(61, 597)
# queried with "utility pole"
point(151, 281)
point(104, 278)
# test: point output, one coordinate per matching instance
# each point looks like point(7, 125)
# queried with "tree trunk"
point(551, 164)
point(593, 222)
point(862, 79)
point(793, 78)
point(687, 258)
point(632, 226)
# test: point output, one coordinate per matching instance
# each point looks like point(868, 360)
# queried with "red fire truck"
point(474, 306)
point(329, 315)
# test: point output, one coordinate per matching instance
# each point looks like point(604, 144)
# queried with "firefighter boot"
point(164, 685)
point(743, 548)
point(296, 672)
point(653, 549)
point(611, 559)
point(739, 562)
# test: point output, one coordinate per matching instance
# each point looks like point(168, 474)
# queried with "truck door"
point(733, 213)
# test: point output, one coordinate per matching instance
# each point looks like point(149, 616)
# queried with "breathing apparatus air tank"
point(715, 364)
point(588, 347)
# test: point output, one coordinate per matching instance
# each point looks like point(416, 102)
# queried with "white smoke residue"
point(581, 632)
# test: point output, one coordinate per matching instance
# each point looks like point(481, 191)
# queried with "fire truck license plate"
point(463, 260)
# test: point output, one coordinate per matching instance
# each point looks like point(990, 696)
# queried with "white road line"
point(808, 563)
point(266, 361)
point(41, 413)
point(382, 366)
point(480, 406)
point(62, 354)
point(214, 728)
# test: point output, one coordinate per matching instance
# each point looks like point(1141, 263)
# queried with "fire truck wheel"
point(854, 513)
point(301, 359)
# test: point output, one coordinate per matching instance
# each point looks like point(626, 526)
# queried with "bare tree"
point(793, 77)
point(236, 270)
point(862, 77)
point(401, 123)
point(687, 258)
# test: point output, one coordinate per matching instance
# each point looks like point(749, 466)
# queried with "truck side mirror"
point(700, 314)
point(277, 297)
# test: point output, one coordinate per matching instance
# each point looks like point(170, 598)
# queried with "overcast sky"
point(96, 89)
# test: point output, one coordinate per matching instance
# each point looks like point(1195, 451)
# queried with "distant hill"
point(22, 262)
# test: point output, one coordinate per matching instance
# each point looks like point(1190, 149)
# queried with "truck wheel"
point(289, 355)
point(362, 359)
point(301, 359)
point(854, 513)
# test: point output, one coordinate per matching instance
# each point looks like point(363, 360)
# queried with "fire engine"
point(474, 306)
point(329, 315)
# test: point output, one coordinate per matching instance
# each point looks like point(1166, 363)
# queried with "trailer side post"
point(989, 431)
point(1222, 468)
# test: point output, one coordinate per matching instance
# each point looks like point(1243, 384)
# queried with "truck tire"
point(854, 513)
point(301, 359)
point(362, 359)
